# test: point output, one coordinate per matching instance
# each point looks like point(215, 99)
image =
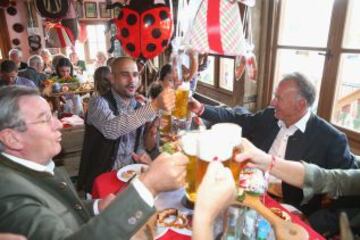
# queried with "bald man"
point(114, 134)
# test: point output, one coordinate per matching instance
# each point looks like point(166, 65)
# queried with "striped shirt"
point(123, 126)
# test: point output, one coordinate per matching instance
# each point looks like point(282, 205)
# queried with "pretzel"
point(280, 213)
point(171, 217)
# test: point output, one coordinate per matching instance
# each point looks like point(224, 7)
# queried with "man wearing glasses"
point(38, 200)
point(114, 133)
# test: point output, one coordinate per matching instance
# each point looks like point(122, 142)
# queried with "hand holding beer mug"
point(231, 133)
point(165, 101)
point(211, 148)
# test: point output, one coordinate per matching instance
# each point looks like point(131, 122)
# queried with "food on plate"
point(280, 213)
point(170, 147)
point(131, 172)
point(128, 174)
point(172, 217)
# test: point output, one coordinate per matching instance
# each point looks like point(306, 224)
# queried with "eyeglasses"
point(47, 119)
point(129, 74)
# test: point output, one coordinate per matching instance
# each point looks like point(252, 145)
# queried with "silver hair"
point(15, 51)
point(34, 60)
point(305, 87)
point(10, 116)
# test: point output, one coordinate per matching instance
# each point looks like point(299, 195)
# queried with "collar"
point(49, 168)
point(301, 124)
point(124, 103)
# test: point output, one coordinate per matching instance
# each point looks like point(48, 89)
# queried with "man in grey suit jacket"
point(39, 201)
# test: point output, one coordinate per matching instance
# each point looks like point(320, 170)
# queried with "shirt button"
point(78, 207)
point(132, 220)
point(63, 185)
point(138, 214)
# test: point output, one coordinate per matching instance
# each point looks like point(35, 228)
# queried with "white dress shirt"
point(278, 148)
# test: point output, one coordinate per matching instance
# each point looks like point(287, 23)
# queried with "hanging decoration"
point(52, 9)
point(249, 3)
point(217, 28)
point(144, 28)
point(34, 40)
point(250, 58)
point(70, 20)
point(59, 36)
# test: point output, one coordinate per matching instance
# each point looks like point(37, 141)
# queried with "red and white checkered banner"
point(218, 29)
point(60, 36)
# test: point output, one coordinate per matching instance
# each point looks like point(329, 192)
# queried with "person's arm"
point(335, 182)
point(112, 127)
point(216, 191)
point(10, 236)
point(289, 171)
point(310, 177)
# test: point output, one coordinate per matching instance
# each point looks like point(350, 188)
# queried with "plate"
point(126, 173)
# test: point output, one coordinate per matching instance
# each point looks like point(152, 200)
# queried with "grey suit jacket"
point(336, 183)
point(42, 206)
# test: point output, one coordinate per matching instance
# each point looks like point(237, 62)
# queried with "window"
point(217, 80)
point(207, 76)
point(96, 39)
point(322, 40)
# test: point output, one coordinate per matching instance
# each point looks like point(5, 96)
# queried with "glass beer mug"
point(211, 148)
point(189, 148)
point(231, 133)
point(180, 111)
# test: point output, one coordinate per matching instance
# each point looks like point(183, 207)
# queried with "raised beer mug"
point(189, 143)
point(231, 133)
point(181, 101)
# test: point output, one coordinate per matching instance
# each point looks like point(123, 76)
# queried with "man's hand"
point(194, 106)
point(150, 134)
point(165, 101)
point(10, 236)
point(105, 202)
point(216, 191)
point(141, 158)
point(166, 173)
point(254, 156)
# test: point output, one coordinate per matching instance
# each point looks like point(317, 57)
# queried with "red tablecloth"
point(108, 183)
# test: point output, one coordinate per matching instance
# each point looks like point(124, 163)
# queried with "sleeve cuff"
point(96, 207)
point(144, 193)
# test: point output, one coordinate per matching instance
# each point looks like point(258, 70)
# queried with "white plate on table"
point(126, 173)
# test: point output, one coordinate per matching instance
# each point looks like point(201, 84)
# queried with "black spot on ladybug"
point(131, 19)
point(163, 15)
point(164, 43)
point(120, 16)
point(156, 33)
point(125, 32)
point(130, 47)
point(150, 47)
point(149, 19)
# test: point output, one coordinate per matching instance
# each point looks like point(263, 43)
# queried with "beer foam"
point(210, 147)
point(229, 131)
point(189, 143)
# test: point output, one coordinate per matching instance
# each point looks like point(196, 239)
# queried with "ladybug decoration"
point(144, 28)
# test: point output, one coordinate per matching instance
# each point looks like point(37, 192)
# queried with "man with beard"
point(114, 132)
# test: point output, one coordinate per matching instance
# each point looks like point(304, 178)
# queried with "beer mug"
point(211, 148)
point(189, 143)
point(181, 101)
point(231, 133)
